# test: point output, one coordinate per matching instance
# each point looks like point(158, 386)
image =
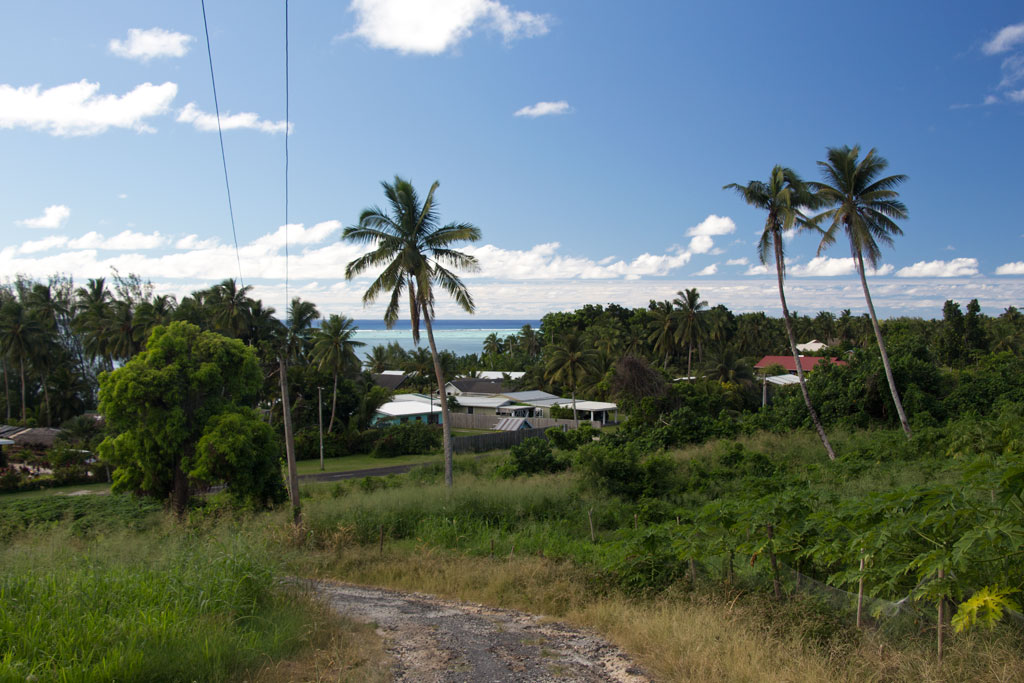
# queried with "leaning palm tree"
point(570, 362)
point(334, 348)
point(783, 197)
point(864, 206)
point(414, 254)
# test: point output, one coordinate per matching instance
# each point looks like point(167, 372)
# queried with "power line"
point(220, 134)
point(287, 125)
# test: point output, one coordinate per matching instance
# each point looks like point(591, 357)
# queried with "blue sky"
point(589, 142)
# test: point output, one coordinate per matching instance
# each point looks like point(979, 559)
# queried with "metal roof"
point(783, 379)
point(498, 374)
point(529, 396)
point(405, 408)
point(482, 401)
point(512, 424)
point(588, 405)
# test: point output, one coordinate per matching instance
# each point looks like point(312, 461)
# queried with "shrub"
point(627, 470)
point(572, 439)
point(532, 456)
point(411, 438)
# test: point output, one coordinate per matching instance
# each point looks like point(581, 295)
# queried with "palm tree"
point(20, 333)
point(415, 254)
point(783, 197)
point(492, 345)
point(693, 327)
point(570, 362)
point(529, 342)
point(231, 307)
point(864, 206)
point(663, 325)
point(301, 316)
point(334, 348)
point(729, 367)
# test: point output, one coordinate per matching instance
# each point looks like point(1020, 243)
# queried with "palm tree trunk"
point(575, 419)
point(446, 427)
point(859, 258)
point(689, 361)
point(796, 356)
point(334, 403)
point(22, 389)
point(7, 390)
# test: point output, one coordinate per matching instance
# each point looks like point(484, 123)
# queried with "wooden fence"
point(489, 442)
point(467, 421)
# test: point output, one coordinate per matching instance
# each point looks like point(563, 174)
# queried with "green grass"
point(56, 491)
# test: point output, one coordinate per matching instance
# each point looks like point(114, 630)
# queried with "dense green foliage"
point(179, 413)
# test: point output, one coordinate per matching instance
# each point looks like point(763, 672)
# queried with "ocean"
point(458, 336)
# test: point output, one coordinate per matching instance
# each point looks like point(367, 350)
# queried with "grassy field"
point(56, 491)
point(351, 463)
point(134, 590)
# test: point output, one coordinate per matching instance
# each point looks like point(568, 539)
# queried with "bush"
point(532, 456)
point(627, 470)
point(411, 438)
point(572, 439)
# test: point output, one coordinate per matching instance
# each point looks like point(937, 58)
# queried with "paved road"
point(359, 474)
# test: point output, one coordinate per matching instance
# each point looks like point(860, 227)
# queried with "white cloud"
point(760, 269)
point(76, 109)
point(543, 261)
point(958, 267)
point(1015, 268)
point(126, 240)
point(990, 100)
point(122, 196)
point(825, 266)
point(54, 216)
point(146, 44)
point(1007, 38)
point(708, 270)
point(45, 244)
point(741, 261)
point(193, 242)
point(544, 109)
point(701, 244)
point(208, 122)
point(433, 26)
point(713, 225)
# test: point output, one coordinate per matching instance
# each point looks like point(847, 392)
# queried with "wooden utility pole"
point(289, 443)
point(320, 422)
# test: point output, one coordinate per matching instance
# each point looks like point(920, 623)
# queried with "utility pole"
point(320, 421)
point(289, 443)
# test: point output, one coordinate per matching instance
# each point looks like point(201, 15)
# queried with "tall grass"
point(170, 604)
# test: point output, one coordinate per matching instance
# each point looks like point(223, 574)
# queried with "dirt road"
point(435, 640)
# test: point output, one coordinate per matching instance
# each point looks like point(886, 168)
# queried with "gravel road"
point(435, 640)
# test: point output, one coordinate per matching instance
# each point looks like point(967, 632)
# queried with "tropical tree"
point(20, 333)
point(783, 197)
point(334, 349)
point(415, 254)
point(692, 328)
point(571, 361)
point(864, 205)
point(231, 308)
point(662, 328)
point(301, 316)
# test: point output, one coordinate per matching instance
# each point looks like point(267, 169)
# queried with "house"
point(812, 346)
point(475, 386)
point(401, 412)
point(807, 363)
point(37, 438)
point(595, 411)
point(389, 379)
point(498, 374)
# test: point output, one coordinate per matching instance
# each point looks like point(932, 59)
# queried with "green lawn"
point(56, 491)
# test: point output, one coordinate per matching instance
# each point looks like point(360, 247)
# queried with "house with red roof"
point(807, 363)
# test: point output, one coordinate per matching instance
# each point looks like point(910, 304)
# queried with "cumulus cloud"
point(825, 266)
point(759, 269)
point(1007, 38)
point(544, 109)
point(708, 270)
point(144, 45)
point(741, 261)
point(701, 244)
point(434, 26)
point(958, 267)
point(244, 120)
point(45, 244)
point(126, 240)
point(76, 108)
point(713, 225)
point(1015, 268)
point(544, 262)
point(54, 216)
point(194, 242)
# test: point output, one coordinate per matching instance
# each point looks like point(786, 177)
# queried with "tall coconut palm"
point(864, 205)
point(301, 316)
point(20, 333)
point(783, 197)
point(693, 327)
point(415, 254)
point(231, 308)
point(334, 349)
point(662, 327)
point(570, 362)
